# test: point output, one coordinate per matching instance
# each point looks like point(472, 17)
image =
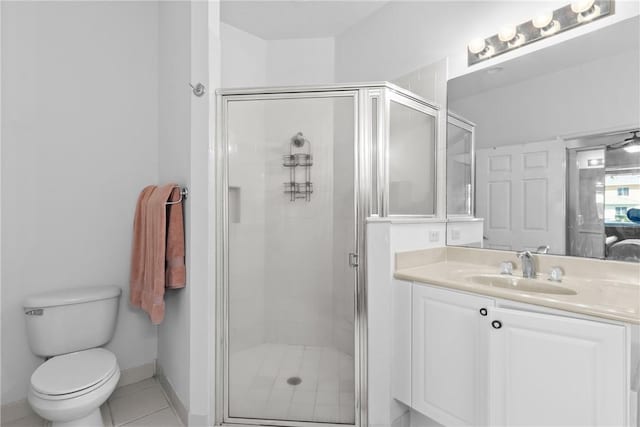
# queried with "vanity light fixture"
point(544, 24)
point(480, 48)
point(586, 10)
point(509, 34)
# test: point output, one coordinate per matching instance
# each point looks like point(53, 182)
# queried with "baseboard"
point(136, 374)
point(21, 408)
point(181, 410)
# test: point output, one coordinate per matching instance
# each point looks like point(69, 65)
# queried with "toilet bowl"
point(68, 328)
point(68, 390)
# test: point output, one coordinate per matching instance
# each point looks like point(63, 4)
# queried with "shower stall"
point(299, 172)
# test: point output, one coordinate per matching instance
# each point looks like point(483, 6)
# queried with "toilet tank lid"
point(71, 296)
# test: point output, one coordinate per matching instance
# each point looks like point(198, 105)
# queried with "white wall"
point(244, 58)
point(587, 98)
point(174, 115)
point(404, 36)
point(190, 53)
point(200, 214)
point(300, 62)
point(79, 134)
point(249, 61)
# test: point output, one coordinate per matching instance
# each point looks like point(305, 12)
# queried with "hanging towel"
point(156, 252)
point(136, 277)
point(176, 271)
point(157, 258)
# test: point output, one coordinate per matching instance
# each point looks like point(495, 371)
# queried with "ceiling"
point(276, 20)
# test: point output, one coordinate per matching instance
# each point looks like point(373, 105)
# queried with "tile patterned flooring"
point(139, 404)
point(259, 389)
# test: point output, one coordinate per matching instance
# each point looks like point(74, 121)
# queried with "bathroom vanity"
point(473, 347)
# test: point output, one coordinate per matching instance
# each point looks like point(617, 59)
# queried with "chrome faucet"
point(528, 267)
point(543, 249)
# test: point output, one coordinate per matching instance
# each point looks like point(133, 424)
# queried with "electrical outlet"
point(434, 235)
point(455, 234)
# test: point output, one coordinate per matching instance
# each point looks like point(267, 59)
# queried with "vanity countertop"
point(605, 289)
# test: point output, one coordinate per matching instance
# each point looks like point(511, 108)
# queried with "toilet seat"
point(73, 375)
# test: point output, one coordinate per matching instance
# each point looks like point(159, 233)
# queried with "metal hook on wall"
point(199, 89)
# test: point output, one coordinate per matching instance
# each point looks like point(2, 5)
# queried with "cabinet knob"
point(483, 311)
point(496, 324)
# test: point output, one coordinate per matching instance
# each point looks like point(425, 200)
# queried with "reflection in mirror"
point(621, 196)
point(412, 145)
point(556, 161)
point(459, 166)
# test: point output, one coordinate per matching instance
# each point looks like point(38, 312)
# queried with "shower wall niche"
point(292, 288)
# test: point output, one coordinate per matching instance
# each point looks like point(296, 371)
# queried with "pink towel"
point(136, 277)
point(161, 250)
point(176, 271)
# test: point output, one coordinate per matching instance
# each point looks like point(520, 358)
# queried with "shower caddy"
point(297, 159)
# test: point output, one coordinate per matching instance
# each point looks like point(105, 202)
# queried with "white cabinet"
point(550, 370)
point(514, 367)
point(449, 356)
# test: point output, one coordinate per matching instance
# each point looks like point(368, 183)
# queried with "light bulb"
point(542, 19)
point(507, 33)
point(476, 45)
point(580, 6)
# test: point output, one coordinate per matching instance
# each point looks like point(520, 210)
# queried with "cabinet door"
point(449, 356)
point(549, 370)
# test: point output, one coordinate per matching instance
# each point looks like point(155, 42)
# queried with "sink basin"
point(520, 284)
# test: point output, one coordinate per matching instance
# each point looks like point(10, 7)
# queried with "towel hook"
point(184, 192)
point(198, 89)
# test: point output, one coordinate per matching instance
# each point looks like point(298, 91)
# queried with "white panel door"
point(449, 356)
point(520, 193)
point(549, 370)
point(494, 193)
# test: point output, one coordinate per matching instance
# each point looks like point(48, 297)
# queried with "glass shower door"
point(291, 227)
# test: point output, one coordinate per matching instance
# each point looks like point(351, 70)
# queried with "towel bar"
point(184, 192)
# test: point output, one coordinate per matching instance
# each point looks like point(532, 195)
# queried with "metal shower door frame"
point(361, 211)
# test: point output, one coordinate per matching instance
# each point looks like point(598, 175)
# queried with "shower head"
point(630, 145)
point(298, 139)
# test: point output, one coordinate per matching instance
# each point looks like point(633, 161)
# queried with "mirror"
point(557, 166)
point(460, 149)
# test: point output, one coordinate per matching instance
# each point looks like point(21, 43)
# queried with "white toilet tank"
point(64, 321)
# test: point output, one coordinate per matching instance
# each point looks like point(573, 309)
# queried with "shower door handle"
point(353, 259)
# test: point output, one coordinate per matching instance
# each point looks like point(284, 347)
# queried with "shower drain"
point(294, 380)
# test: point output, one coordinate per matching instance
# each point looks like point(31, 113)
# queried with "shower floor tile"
point(260, 377)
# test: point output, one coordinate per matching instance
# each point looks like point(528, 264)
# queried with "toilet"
point(68, 328)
